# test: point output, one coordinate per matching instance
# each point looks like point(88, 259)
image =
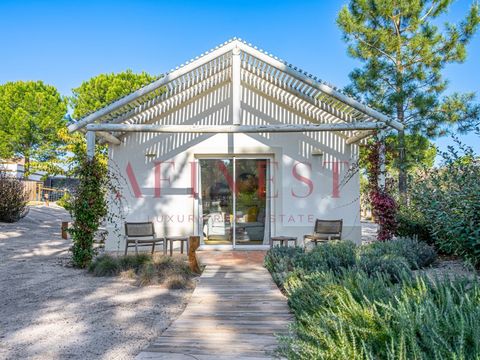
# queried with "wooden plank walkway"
point(234, 313)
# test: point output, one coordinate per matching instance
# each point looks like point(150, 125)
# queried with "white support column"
point(90, 144)
point(381, 159)
point(236, 107)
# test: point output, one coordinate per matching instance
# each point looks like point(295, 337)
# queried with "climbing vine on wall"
point(384, 206)
point(97, 192)
point(87, 208)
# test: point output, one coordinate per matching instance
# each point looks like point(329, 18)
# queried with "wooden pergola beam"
point(109, 137)
point(359, 136)
point(219, 129)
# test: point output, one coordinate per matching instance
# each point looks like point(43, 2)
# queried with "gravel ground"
point(369, 231)
point(448, 267)
point(49, 310)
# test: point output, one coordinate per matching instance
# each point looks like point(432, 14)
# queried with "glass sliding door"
point(216, 186)
point(250, 201)
point(233, 201)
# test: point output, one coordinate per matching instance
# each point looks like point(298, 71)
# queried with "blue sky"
point(64, 43)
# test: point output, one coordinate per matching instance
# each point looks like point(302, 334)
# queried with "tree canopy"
point(31, 115)
point(103, 89)
point(403, 52)
point(420, 152)
point(94, 94)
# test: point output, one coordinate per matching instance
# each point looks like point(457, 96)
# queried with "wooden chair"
point(325, 230)
point(142, 234)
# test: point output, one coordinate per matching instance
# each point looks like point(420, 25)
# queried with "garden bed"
point(145, 269)
point(378, 301)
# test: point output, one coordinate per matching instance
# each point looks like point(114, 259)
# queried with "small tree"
point(13, 198)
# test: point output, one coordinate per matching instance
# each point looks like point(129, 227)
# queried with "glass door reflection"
point(250, 201)
point(217, 200)
point(233, 203)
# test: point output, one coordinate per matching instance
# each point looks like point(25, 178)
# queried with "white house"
point(16, 168)
point(236, 146)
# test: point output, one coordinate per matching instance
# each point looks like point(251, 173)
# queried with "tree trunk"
point(26, 167)
point(402, 173)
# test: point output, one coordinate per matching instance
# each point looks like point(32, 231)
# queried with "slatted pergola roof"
point(325, 107)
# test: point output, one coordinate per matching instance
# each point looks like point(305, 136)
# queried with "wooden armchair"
point(142, 234)
point(325, 230)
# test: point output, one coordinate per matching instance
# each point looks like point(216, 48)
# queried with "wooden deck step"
point(235, 312)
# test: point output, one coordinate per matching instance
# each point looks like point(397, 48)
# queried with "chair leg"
point(153, 248)
point(171, 247)
point(126, 247)
point(181, 247)
point(164, 247)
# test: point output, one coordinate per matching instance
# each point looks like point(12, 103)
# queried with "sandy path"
point(50, 311)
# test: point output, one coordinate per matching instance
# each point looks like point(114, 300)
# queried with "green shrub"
point(365, 303)
point(416, 253)
point(411, 224)
point(448, 197)
point(357, 316)
point(392, 265)
point(13, 198)
point(279, 260)
point(333, 256)
point(391, 257)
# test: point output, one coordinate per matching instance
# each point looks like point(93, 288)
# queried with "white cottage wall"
point(296, 168)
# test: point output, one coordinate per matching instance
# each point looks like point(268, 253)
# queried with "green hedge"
point(444, 205)
point(366, 303)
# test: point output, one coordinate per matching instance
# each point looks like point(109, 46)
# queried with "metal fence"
point(38, 192)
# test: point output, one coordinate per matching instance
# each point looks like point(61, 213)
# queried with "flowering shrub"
point(384, 209)
point(13, 198)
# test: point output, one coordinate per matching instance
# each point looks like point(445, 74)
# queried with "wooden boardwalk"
point(234, 313)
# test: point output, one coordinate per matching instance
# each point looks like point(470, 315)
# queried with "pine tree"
point(403, 52)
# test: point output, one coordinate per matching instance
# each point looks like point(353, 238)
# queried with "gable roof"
point(259, 69)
